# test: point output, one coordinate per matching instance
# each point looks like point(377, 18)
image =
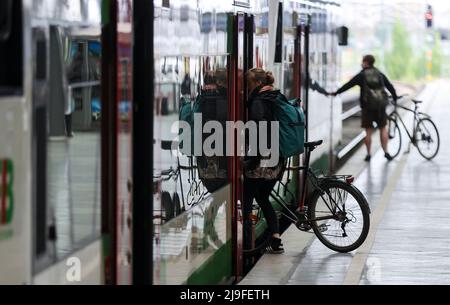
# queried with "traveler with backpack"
point(212, 104)
point(374, 101)
point(259, 180)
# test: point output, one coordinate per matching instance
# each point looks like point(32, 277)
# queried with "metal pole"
point(307, 76)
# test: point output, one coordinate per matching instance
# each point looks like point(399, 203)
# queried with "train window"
point(11, 72)
point(222, 22)
point(206, 23)
point(73, 113)
point(184, 13)
point(41, 64)
point(166, 3)
point(324, 58)
point(342, 33)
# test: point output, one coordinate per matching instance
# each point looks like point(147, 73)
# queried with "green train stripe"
point(217, 269)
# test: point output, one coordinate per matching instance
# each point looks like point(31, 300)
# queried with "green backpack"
point(291, 118)
point(187, 115)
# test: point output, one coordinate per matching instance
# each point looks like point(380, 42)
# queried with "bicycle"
point(425, 135)
point(175, 206)
point(340, 224)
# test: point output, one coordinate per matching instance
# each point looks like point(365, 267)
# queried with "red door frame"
point(241, 23)
point(109, 141)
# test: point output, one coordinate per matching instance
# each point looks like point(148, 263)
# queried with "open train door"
point(241, 62)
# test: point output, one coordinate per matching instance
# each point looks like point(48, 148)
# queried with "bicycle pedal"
point(305, 227)
point(323, 228)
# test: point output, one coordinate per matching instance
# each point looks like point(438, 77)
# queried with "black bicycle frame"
point(416, 120)
point(308, 175)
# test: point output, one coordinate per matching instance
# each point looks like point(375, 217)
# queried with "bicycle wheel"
point(350, 213)
point(395, 138)
point(427, 139)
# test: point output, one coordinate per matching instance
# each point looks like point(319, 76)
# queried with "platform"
point(410, 228)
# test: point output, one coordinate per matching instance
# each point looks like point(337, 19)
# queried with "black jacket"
point(358, 80)
point(259, 105)
point(259, 108)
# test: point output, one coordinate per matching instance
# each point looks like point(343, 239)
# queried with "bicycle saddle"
point(417, 102)
point(312, 145)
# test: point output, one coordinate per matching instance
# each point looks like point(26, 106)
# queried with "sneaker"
point(276, 247)
point(368, 158)
point(388, 157)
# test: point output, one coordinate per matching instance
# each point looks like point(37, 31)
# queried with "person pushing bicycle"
point(374, 101)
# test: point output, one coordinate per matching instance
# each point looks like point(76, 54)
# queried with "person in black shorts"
point(379, 116)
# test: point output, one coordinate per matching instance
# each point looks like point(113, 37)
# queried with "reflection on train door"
point(42, 226)
point(242, 61)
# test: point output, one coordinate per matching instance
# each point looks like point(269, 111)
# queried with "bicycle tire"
point(394, 134)
point(359, 198)
point(422, 153)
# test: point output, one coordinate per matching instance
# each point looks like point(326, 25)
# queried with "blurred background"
point(410, 38)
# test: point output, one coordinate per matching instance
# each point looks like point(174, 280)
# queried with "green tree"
point(437, 57)
point(417, 68)
point(398, 59)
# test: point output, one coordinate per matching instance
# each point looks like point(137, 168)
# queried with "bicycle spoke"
point(347, 225)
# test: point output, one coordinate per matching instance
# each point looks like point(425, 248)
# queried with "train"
point(90, 102)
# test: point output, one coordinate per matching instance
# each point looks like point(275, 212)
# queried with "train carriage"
point(86, 114)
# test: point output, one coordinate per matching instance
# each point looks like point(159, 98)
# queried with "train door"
point(241, 62)
point(192, 188)
point(15, 188)
point(44, 253)
point(66, 164)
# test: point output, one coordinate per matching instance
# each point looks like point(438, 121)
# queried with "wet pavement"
point(409, 241)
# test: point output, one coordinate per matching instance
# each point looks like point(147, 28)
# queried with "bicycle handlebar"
point(398, 97)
